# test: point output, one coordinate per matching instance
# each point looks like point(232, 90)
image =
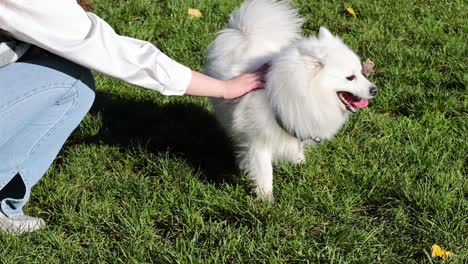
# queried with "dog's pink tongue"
point(360, 104)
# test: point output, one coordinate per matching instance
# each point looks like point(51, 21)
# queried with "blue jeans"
point(41, 102)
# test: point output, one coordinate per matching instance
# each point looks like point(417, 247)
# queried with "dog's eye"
point(351, 77)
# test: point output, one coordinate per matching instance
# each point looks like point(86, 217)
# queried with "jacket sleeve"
point(65, 29)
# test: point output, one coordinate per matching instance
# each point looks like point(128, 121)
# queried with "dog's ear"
point(325, 34)
point(316, 54)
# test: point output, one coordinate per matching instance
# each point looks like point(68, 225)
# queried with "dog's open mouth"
point(351, 101)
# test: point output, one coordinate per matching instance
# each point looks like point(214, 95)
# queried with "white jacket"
point(65, 29)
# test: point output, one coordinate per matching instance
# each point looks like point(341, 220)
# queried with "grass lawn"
point(150, 179)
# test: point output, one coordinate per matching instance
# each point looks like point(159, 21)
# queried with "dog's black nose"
point(373, 90)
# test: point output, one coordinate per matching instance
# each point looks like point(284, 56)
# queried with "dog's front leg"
point(257, 163)
point(293, 151)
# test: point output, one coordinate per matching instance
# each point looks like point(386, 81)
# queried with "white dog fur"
point(300, 104)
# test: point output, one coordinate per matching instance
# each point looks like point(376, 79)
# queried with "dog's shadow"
point(184, 130)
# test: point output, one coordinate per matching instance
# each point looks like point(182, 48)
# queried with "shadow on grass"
point(184, 130)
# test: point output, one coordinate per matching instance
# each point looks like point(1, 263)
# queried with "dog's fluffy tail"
point(255, 30)
point(266, 20)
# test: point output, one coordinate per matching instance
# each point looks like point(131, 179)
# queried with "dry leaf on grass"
point(368, 68)
point(192, 12)
point(351, 11)
point(437, 251)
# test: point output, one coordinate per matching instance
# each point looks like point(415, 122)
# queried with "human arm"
point(65, 29)
point(202, 85)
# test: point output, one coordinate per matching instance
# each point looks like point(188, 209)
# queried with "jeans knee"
point(86, 89)
point(87, 79)
point(80, 91)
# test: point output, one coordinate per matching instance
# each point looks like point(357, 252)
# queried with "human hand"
point(244, 83)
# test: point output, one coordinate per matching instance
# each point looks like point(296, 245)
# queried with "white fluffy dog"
point(312, 86)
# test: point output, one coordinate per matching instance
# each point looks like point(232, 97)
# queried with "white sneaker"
point(20, 224)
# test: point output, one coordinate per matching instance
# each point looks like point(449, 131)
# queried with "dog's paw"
point(265, 196)
point(300, 160)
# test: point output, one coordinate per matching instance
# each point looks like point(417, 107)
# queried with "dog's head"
point(316, 83)
point(340, 71)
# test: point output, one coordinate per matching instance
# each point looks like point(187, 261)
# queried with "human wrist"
point(223, 88)
point(203, 85)
point(216, 88)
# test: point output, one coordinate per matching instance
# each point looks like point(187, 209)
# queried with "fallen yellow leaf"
point(194, 12)
point(351, 11)
point(437, 251)
point(368, 68)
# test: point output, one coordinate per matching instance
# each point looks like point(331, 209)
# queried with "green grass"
point(148, 178)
